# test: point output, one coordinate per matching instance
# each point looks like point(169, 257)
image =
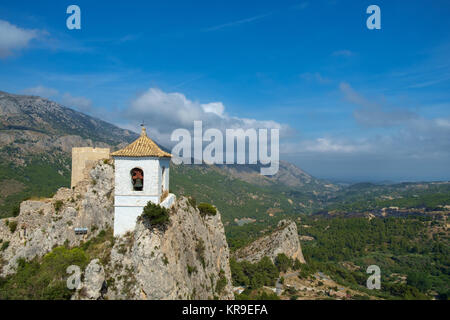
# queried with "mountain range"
point(400, 227)
point(37, 135)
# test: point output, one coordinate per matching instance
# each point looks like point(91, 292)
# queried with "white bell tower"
point(141, 175)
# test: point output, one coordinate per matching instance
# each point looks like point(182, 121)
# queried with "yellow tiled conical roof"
point(142, 147)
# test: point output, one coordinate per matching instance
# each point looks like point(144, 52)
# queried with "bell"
point(138, 183)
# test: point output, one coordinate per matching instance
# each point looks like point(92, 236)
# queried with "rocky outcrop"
point(283, 240)
point(44, 224)
point(187, 260)
point(94, 285)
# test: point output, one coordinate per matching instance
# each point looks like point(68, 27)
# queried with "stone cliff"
point(189, 259)
point(46, 223)
point(283, 240)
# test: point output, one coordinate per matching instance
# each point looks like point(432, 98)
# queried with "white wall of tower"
point(152, 181)
point(128, 204)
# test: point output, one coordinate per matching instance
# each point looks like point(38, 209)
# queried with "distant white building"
point(141, 175)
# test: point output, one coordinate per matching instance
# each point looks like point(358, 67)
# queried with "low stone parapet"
point(168, 201)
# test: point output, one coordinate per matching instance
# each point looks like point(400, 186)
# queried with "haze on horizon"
point(351, 104)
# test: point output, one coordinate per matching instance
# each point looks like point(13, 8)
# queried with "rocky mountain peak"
point(282, 240)
point(188, 260)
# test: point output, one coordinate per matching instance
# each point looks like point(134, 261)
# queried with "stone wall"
point(83, 158)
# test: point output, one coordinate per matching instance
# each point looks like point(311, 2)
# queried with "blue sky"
point(352, 104)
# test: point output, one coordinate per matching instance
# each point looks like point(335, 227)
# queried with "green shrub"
point(192, 202)
point(15, 210)
point(45, 278)
point(222, 282)
point(191, 269)
point(242, 296)
point(283, 262)
point(419, 280)
point(156, 215)
point(5, 245)
point(102, 234)
point(253, 275)
point(12, 226)
point(268, 296)
point(306, 270)
point(58, 205)
point(297, 265)
point(207, 209)
point(200, 250)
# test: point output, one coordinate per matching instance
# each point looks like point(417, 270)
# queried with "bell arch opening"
point(137, 179)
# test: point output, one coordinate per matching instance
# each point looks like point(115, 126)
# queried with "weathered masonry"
point(82, 158)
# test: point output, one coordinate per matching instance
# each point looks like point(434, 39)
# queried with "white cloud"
point(352, 96)
point(444, 123)
point(165, 112)
point(327, 145)
point(13, 38)
point(41, 91)
point(238, 22)
point(409, 136)
point(316, 76)
point(372, 114)
point(80, 103)
point(214, 107)
point(127, 38)
point(343, 53)
point(301, 6)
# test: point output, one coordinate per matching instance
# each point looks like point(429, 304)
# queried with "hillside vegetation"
point(361, 197)
point(36, 139)
point(46, 278)
point(400, 227)
point(412, 252)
